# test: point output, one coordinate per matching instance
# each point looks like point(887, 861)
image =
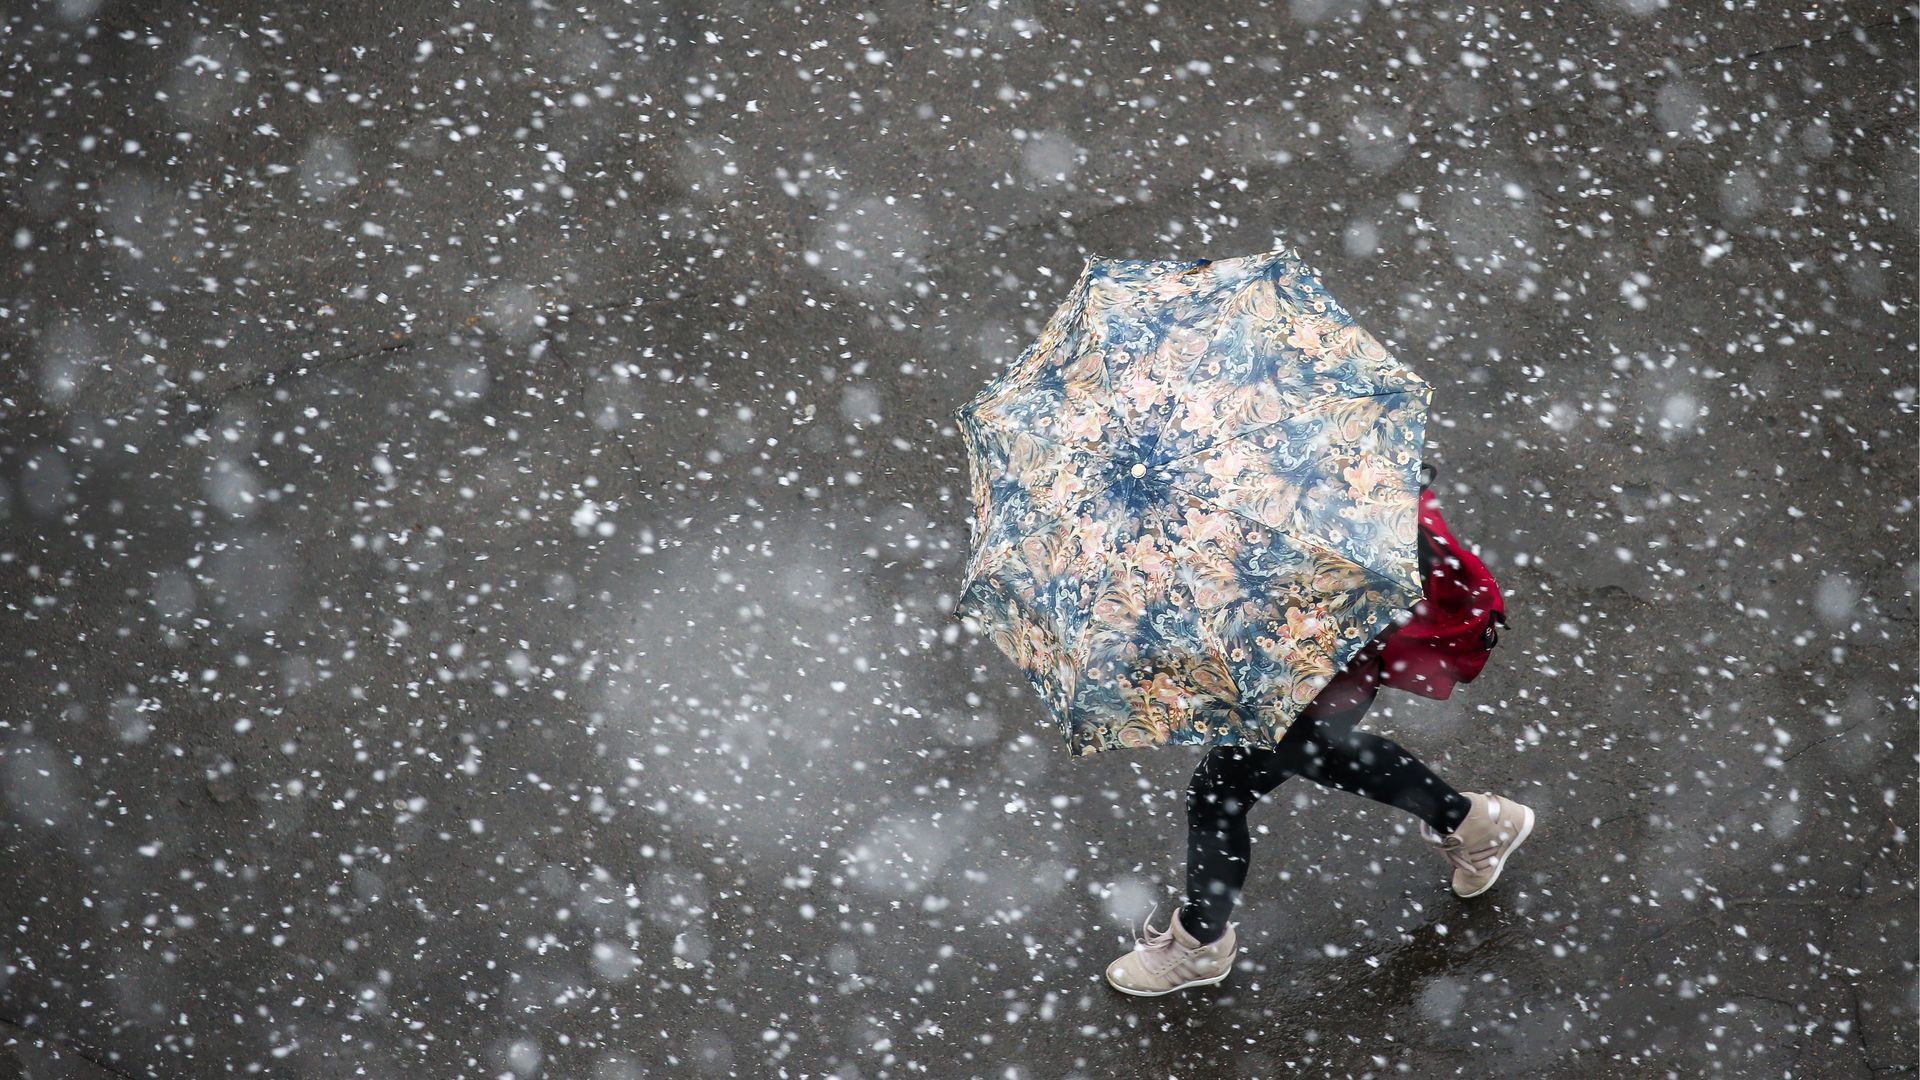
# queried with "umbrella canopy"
point(1194, 499)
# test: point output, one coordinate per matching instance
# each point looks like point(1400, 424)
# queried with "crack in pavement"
point(272, 377)
point(89, 1056)
point(1803, 43)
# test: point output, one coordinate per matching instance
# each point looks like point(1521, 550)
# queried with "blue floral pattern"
point(1195, 497)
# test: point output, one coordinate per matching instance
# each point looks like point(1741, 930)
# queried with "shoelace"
point(1478, 860)
point(1151, 940)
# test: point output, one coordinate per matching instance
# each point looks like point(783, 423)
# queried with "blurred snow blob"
point(328, 167)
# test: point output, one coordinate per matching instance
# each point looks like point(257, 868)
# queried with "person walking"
point(1446, 641)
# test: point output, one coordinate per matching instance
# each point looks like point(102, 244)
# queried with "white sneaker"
point(1163, 961)
point(1492, 830)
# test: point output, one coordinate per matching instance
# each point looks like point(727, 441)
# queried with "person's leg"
point(1228, 781)
point(1377, 768)
point(1322, 745)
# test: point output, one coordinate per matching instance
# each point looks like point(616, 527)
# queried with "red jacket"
point(1452, 630)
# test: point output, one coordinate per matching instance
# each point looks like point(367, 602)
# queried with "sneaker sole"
point(1183, 986)
point(1526, 829)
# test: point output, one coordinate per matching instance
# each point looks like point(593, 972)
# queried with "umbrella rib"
point(1226, 668)
point(1302, 541)
point(1111, 404)
point(1224, 508)
point(999, 511)
point(977, 558)
point(1106, 372)
point(1083, 289)
point(1046, 518)
point(1073, 299)
point(1286, 537)
point(1077, 298)
point(1106, 483)
point(1072, 648)
point(995, 510)
point(1372, 571)
point(988, 424)
point(1295, 414)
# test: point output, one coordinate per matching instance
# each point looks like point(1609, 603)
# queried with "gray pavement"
point(478, 506)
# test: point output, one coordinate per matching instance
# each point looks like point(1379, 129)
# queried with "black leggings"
point(1323, 746)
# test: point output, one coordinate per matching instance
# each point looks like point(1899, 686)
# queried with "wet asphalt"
point(479, 507)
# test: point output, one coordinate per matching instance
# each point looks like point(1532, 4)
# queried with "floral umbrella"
point(1194, 499)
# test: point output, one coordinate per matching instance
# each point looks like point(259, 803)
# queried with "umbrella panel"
point(1193, 500)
